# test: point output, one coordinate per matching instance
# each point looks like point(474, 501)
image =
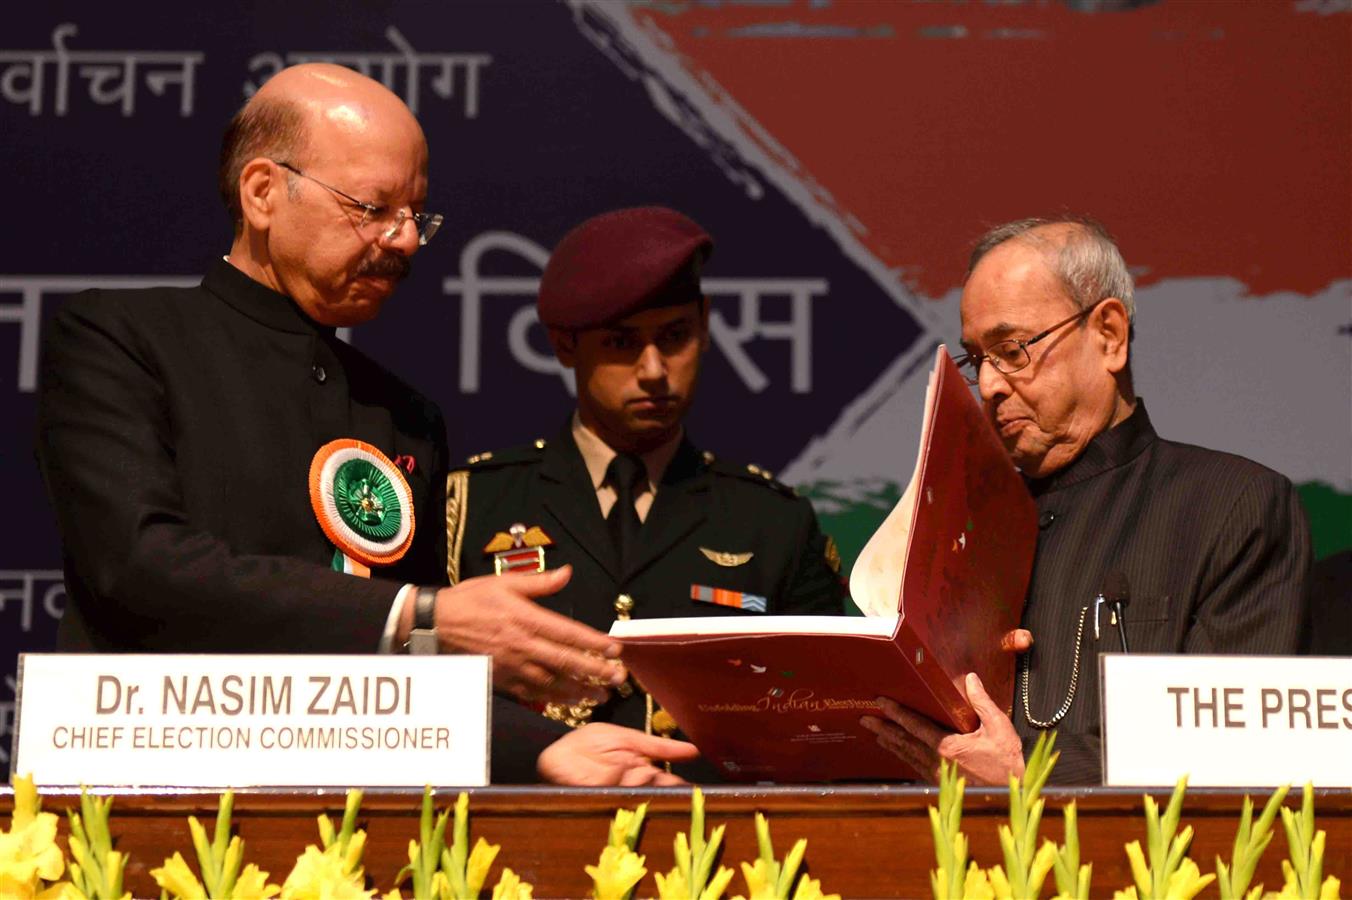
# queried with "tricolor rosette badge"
point(363, 504)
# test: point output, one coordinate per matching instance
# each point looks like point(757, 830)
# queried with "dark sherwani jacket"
point(701, 504)
point(1215, 549)
point(175, 433)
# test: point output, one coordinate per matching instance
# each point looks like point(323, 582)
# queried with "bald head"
point(309, 110)
point(325, 172)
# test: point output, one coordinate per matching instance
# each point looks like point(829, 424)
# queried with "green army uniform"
point(712, 525)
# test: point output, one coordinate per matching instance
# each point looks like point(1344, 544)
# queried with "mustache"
point(386, 265)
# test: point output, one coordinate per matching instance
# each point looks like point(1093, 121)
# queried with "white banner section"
point(1227, 721)
point(247, 720)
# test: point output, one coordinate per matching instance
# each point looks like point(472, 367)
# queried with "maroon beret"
point(620, 263)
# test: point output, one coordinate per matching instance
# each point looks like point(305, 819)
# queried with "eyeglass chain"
point(1070, 692)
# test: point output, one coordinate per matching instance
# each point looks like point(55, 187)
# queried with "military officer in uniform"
point(652, 525)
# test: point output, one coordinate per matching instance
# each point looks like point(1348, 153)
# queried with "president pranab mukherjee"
point(1212, 550)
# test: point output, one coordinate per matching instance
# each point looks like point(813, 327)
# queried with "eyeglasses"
point(1010, 356)
point(383, 220)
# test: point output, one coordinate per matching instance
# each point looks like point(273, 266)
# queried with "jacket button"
point(1045, 520)
point(319, 374)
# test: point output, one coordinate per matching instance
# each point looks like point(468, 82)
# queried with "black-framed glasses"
point(1010, 356)
point(384, 221)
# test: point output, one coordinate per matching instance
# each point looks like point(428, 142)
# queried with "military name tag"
point(252, 720)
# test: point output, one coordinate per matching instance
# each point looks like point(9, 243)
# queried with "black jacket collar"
point(258, 301)
point(1115, 447)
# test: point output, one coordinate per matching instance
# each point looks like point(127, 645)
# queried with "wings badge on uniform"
point(725, 558)
point(519, 548)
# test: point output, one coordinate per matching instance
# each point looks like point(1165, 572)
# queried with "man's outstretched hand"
point(538, 655)
point(603, 755)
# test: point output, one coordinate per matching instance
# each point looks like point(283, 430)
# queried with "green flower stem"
point(1305, 848)
point(459, 854)
point(343, 837)
point(699, 862)
point(1025, 863)
point(226, 855)
point(1166, 850)
point(1251, 840)
point(766, 848)
point(97, 871)
point(426, 859)
point(1072, 878)
point(950, 845)
point(219, 860)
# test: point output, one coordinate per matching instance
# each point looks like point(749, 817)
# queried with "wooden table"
point(866, 841)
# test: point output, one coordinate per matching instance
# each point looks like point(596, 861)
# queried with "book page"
point(875, 581)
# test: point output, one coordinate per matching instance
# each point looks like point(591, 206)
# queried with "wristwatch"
point(422, 640)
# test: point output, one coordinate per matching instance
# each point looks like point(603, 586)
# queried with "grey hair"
point(1088, 263)
point(271, 128)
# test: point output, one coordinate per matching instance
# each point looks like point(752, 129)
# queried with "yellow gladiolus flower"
point(14, 890)
point(176, 878)
point(1187, 882)
point(997, 887)
point(1140, 872)
point(619, 870)
point(672, 886)
point(511, 887)
point(760, 882)
point(811, 889)
point(480, 861)
point(976, 885)
point(324, 875)
point(28, 851)
point(352, 858)
point(1329, 890)
point(252, 884)
point(620, 825)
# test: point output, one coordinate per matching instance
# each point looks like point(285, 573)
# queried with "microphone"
point(1117, 593)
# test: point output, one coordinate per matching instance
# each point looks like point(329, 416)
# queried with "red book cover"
point(778, 698)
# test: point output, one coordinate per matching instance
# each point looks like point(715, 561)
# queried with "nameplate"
point(1226, 721)
point(248, 720)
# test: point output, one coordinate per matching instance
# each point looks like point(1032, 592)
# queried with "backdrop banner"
point(843, 154)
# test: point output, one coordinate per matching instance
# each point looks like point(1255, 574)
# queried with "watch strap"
point(422, 639)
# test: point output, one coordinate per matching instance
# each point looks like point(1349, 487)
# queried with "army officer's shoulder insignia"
point(486, 468)
point(752, 473)
point(520, 548)
point(496, 459)
point(832, 554)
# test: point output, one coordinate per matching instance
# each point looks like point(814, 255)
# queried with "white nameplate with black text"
point(250, 720)
point(1226, 721)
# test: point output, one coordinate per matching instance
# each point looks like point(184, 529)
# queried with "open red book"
point(778, 698)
